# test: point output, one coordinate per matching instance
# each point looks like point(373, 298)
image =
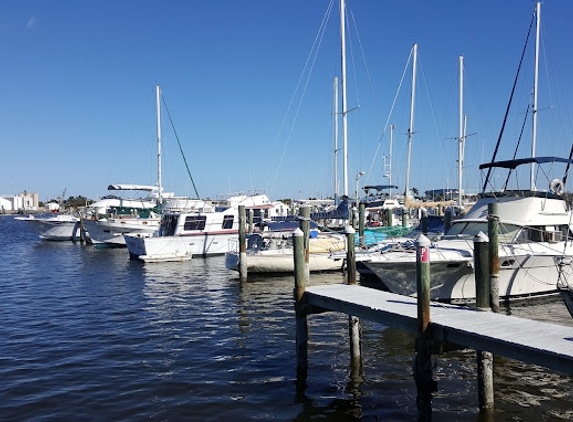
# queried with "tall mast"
point(535, 81)
point(411, 128)
point(390, 157)
point(461, 133)
point(158, 107)
point(344, 102)
point(336, 194)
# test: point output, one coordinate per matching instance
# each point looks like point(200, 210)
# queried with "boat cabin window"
point(259, 215)
point(195, 222)
point(507, 232)
point(548, 233)
point(228, 221)
point(462, 228)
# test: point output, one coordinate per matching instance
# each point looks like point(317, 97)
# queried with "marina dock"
point(535, 342)
point(439, 327)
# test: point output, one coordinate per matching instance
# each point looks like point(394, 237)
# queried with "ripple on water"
point(88, 334)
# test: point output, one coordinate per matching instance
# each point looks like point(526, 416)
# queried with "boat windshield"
point(507, 232)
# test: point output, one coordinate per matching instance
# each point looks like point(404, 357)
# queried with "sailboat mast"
point(335, 113)
point(344, 101)
point(158, 108)
point(411, 128)
point(390, 157)
point(535, 82)
point(461, 133)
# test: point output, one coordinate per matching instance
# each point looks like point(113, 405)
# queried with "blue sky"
point(78, 106)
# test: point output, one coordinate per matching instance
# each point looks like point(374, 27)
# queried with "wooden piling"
point(388, 217)
point(251, 221)
point(350, 255)
point(242, 244)
point(481, 266)
point(493, 233)
point(304, 223)
point(425, 385)
point(353, 321)
point(485, 380)
point(424, 222)
point(300, 282)
point(354, 217)
point(447, 220)
point(484, 358)
point(404, 218)
point(361, 213)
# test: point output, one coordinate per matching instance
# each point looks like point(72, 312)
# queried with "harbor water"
point(88, 334)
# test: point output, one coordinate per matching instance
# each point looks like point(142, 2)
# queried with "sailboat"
point(271, 251)
point(126, 213)
point(534, 237)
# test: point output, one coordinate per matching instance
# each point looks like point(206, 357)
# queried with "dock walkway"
point(540, 343)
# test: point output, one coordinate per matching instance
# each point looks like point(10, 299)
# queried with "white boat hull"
point(204, 244)
point(111, 231)
point(520, 276)
point(61, 228)
point(277, 262)
point(168, 257)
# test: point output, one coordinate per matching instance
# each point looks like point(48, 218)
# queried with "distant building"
point(52, 206)
point(24, 201)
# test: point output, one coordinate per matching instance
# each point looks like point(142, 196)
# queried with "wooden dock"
point(540, 343)
point(437, 326)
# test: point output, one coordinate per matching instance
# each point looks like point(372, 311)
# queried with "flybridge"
point(152, 191)
point(131, 187)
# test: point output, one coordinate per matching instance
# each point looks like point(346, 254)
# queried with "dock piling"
point(484, 358)
point(447, 220)
point(353, 321)
point(251, 221)
point(361, 212)
point(350, 255)
point(425, 385)
point(242, 244)
point(424, 221)
point(493, 233)
point(390, 217)
point(300, 281)
point(304, 218)
point(481, 266)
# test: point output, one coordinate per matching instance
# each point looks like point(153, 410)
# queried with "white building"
point(24, 201)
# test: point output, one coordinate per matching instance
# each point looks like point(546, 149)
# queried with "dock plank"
point(536, 342)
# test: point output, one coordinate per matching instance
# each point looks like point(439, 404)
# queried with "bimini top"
point(131, 187)
point(512, 164)
point(380, 187)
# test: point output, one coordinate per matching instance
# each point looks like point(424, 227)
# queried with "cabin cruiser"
point(199, 228)
point(128, 209)
point(55, 226)
point(534, 236)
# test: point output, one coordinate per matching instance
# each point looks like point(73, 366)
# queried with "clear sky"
point(252, 102)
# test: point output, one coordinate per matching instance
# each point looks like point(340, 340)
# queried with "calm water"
point(87, 334)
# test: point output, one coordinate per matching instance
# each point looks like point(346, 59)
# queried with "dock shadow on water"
point(88, 334)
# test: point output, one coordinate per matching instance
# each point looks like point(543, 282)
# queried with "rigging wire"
point(489, 170)
point(310, 61)
point(180, 148)
point(517, 146)
point(368, 76)
point(394, 101)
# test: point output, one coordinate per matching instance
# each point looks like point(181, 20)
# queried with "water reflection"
point(89, 334)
